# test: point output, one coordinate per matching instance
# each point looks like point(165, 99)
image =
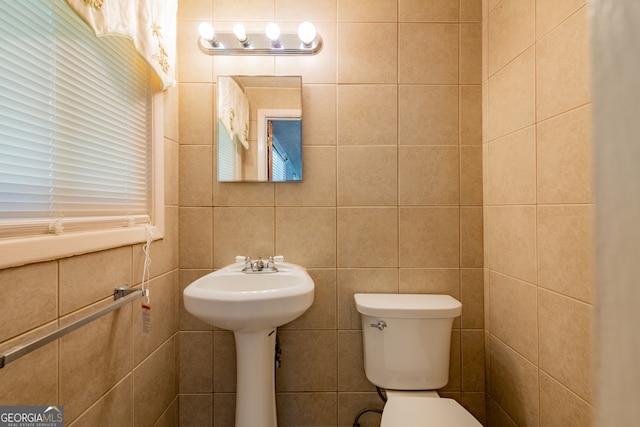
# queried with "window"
point(78, 118)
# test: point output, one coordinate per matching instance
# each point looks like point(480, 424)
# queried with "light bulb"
point(307, 33)
point(273, 32)
point(206, 31)
point(240, 32)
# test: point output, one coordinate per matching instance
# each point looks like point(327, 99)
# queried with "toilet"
point(406, 341)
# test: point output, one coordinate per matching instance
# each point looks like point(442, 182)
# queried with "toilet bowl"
point(406, 342)
point(415, 409)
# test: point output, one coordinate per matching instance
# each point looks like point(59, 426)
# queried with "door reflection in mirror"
point(284, 160)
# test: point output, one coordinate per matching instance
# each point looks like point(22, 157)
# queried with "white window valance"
point(150, 24)
point(233, 110)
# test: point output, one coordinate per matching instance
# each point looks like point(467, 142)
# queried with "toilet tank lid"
point(408, 306)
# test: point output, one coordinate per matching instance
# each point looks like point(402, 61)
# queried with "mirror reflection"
point(259, 129)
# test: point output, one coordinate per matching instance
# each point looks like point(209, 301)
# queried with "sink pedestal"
point(256, 394)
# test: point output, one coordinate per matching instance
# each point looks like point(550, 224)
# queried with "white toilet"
point(407, 340)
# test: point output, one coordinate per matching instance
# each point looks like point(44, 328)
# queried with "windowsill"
point(17, 252)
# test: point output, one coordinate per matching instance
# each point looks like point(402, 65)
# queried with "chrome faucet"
point(259, 266)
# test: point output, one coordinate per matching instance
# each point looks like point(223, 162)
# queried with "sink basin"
point(231, 299)
point(252, 305)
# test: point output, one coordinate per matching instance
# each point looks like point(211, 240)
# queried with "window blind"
point(228, 158)
point(75, 124)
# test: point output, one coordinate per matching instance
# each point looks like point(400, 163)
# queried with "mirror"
point(259, 128)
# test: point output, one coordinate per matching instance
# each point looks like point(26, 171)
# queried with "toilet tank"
point(407, 339)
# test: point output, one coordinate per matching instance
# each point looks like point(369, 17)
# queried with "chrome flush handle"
point(380, 325)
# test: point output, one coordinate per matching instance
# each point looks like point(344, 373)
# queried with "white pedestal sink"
point(252, 305)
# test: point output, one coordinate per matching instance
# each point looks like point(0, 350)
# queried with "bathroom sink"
point(252, 304)
point(231, 299)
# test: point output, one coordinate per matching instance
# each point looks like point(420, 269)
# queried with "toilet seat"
point(417, 411)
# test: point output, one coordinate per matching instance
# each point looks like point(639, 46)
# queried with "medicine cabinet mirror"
point(259, 128)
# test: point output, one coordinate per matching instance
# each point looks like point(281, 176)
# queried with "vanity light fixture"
point(272, 42)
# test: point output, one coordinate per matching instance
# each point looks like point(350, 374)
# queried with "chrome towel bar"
point(122, 295)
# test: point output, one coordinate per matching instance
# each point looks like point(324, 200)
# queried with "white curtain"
point(233, 110)
point(150, 24)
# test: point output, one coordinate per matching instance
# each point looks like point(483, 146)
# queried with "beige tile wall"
point(107, 372)
point(391, 198)
point(537, 213)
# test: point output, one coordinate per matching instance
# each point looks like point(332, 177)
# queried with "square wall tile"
point(511, 30)
point(563, 58)
point(561, 407)
point(470, 115)
point(247, 10)
point(89, 352)
point(472, 298)
point(147, 382)
point(319, 68)
point(196, 175)
point(550, 13)
point(431, 11)
point(358, 63)
point(306, 236)
point(436, 62)
point(195, 237)
point(367, 176)
point(566, 250)
point(34, 377)
point(31, 300)
point(171, 172)
point(361, 280)
point(428, 115)
point(319, 180)
point(196, 410)
point(224, 362)
point(473, 360)
point(103, 270)
point(444, 281)
point(243, 193)
point(309, 409)
point(471, 10)
point(564, 158)
point(164, 319)
point(428, 176)
point(197, 103)
point(364, 115)
point(351, 375)
point(309, 361)
point(471, 182)
point(362, 11)
point(471, 53)
point(306, 10)
point(368, 237)
point(429, 237)
point(193, 65)
point(323, 312)
point(242, 231)
point(319, 103)
point(512, 97)
point(566, 342)
point(116, 406)
point(514, 314)
point(514, 385)
point(511, 245)
point(512, 168)
point(195, 360)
